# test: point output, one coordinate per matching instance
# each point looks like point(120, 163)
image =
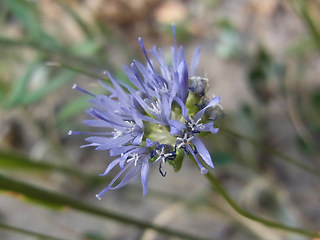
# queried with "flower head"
point(157, 119)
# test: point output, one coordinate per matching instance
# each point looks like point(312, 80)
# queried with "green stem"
point(277, 153)
point(10, 160)
point(27, 232)
point(309, 22)
point(215, 183)
point(55, 199)
point(75, 69)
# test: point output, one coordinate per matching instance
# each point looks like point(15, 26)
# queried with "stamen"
point(155, 108)
point(160, 170)
point(164, 89)
point(117, 133)
point(186, 140)
point(194, 125)
point(133, 157)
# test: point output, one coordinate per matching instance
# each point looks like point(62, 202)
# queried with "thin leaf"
point(27, 13)
point(87, 48)
point(18, 89)
point(82, 24)
point(54, 84)
point(216, 184)
point(274, 151)
point(72, 108)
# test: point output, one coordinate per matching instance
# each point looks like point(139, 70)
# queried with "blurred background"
point(261, 57)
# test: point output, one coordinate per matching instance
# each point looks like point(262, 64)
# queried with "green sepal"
point(177, 162)
point(192, 103)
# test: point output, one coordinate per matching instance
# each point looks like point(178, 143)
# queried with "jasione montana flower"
point(154, 121)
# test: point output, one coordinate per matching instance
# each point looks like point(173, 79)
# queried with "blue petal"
point(144, 52)
point(183, 108)
point(127, 178)
point(99, 140)
point(132, 77)
point(115, 83)
point(118, 150)
point(174, 131)
point(176, 124)
point(136, 118)
point(138, 139)
point(110, 167)
point(150, 143)
point(115, 142)
point(195, 62)
point(105, 86)
point(89, 145)
point(166, 107)
point(203, 151)
point(96, 123)
point(112, 182)
point(208, 127)
point(202, 168)
point(144, 177)
point(183, 80)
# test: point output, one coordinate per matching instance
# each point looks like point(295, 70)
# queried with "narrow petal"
point(118, 150)
point(202, 168)
point(195, 62)
point(150, 143)
point(183, 108)
point(176, 124)
point(96, 123)
point(183, 80)
point(136, 118)
point(127, 178)
point(174, 131)
point(117, 142)
point(144, 52)
point(89, 145)
point(144, 177)
point(110, 167)
point(99, 195)
point(138, 139)
point(115, 83)
point(99, 140)
point(208, 127)
point(203, 151)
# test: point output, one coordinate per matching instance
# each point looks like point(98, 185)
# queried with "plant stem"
point(75, 69)
point(303, 10)
point(27, 232)
point(277, 153)
point(215, 183)
point(10, 160)
point(59, 200)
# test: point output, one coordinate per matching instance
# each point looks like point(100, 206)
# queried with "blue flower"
point(156, 120)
